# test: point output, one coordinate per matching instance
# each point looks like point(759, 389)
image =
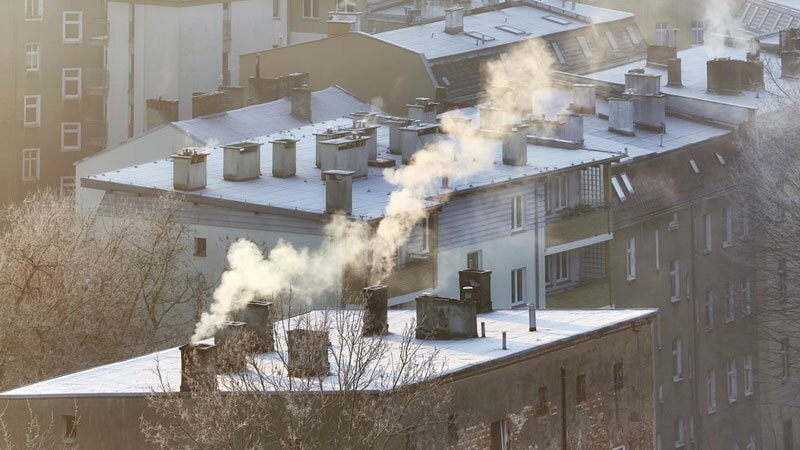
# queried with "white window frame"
point(711, 383)
point(698, 29)
point(751, 444)
point(31, 164)
point(585, 48)
point(33, 9)
point(732, 382)
point(677, 359)
point(557, 269)
point(67, 186)
point(657, 239)
point(32, 50)
point(313, 5)
point(727, 227)
point(730, 304)
point(662, 33)
point(675, 280)
point(74, 129)
point(612, 41)
point(748, 375)
point(71, 75)
point(517, 212)
point(747, 297)
point(559, 192)
point(32, 102)
point(674, 223)
point(518, 286)
point(557, 51)
point(679, 432)
point(630, 256)
point(707, 234)
point(633, 35)
point(709, 307)
point(70, 19)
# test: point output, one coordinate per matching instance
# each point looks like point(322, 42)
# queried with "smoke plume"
point(719, 26)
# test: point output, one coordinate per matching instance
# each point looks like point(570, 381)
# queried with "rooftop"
point(138, 376)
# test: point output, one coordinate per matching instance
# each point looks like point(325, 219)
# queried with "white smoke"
point(719, 27)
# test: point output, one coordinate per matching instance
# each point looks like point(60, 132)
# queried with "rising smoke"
point(310, 273)
point(720, 27)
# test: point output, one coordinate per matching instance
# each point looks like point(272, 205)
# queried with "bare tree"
point(77, 291)
point(380, 390)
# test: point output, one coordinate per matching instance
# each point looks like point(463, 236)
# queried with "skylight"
point(587, 51)
point(695, 169)
point(627, 182)
point(511, 29)
point(611, 40)
point(720, 158)
point(558, 20)
point(618, 189)
point(632, 34)
point(479, 36)
point(557, 51)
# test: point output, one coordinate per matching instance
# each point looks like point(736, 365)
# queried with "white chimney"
point(347, 153)
point(242, 161)
point(639, 82)
point(189, 169)
point(583, 98)
point(620, 116)
point(423, 110)
point(515, 146)
point(454, 20)
point(328, 134)
point(649, 111)
point(353, 18)
point(395, 145)
point(491, 118)
point(364, 124)
point(415, 137)
point(284, 158)
point(572, 130)
point(338, 191)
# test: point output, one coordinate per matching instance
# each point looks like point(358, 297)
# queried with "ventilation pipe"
point(189, 169)
point(515, 146)
point(531, 317)
point(376, 304)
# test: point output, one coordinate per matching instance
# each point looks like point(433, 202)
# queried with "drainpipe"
point(563, 409)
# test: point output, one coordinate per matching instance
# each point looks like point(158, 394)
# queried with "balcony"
point(95, 31)
point(96, 133)
point(586, 293)
point(576, 224)
point(96, 81)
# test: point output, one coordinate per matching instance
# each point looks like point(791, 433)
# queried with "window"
point(518, 286)
point(709, 306)
point(627, 182)
point(693, 165)
point(517, 213)
point(587, 51)
point(70, 429)
point(675, 280)
point(680, 432)
point(556, 268)
point(732, 381)
point(747, 300)
point(71, 83)
point(33, 106)
point(475, 260)
point(677, 359)
point(745, 214)
point(748, 375)
point(658, 248)
point(32, 57)
point(543, 407)
point(751, 444)
point(557, 52)
point(707, 222)
point(72, 27)
point(345, 6)
point(785, 359)
point(712, 391)
point(727, 227)
point(500, 439)
point(30, 164)
point(660, 393)
point(276, 9)
point(720, 158)
point(662, 33)
point(33, 9)
point(631, 258)
point(788, 434)
point(311, 9)
point(697, 32)
point(611, 41)
point(658, 441)
point(580, 388)
point(199, 246)
point(70, 136)
point(658, 331)
point(618, 189)
point(619, 375)
point(632, 34)
point(559, 193)
point(67, 186)
point(730, 305)
point(674, 224)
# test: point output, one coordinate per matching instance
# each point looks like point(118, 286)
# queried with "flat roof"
point(138, 376)
point(522, 22)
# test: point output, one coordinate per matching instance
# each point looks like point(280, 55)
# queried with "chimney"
point(649, 111)
point(259, 323)
point(308, 353)
point(423, 110)
point(328, 134)
point(481, 283)
point(189, 169)
point(197, 366)
point(376, 304)
point(395, 145)
point(445, 318)
point(639, 82)
point(241, 161)
point(284, 158)
point(515, 146)
point(338, 191)
point(564, 132)
point(364, 124)
point(415, 137)
point(343, 22)
point(674, 72)
point(412, 14)
point(230, 340)
point(301, 102)
point(345, 153)
point(583, 98)
point(572, 130)
point(490, 118)
point(659, 55)
point(620, 116)
point(454, 20)
point(531, 317)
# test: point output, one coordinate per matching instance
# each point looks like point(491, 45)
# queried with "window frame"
point(677, 359)
point(558, 198)
point(313, 5)
point(630, 258)
point(499, 434)
point(71, 75)
point(34, 9)
point(557, 269)
point(732, 381)
point(517, 212)
point(675, 280)
point(37, 108)
point(32, 56)
point(679, 432)
point(557, 51)
point(662, 32)
point(31, 164)
point(66, 22)
point(707, 233)
point(518, 286)
point(711, 384)
point(698, 31)
point(727, 227)
point(730, 304)
point(586, 49)
point(709, 309)
point(634, 37)
point(612, 41)
point(66, 186)
point(748, 375)
point(747, 297)
point(71, 128)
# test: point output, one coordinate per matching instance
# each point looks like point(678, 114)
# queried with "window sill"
point(712, 412)
point(727, 321)
point(732, 401)
point(679, 445)
point(631, 278)
point(517, 230)
point(674, 299)
point(709, 330)
point(748, 394)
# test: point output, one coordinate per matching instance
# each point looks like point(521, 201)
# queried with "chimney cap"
point(334, 173)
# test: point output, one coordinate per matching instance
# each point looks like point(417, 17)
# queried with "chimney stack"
point(423, 110)
point(301, 102)
point(674, 72)
point(490, 118)
point(259, 323)
point(338, 191)
point(454, 20)
point(197, 366)
point(481, 283)
point(189, 169)
point(515, 146)
point(364, 124)
point(328, 134)
point(230, 340)
point(284, 158)
point(583, 98)
point(395, 144)
point(415, 137)
point(345, 153)
point(308, 353)
point(572, 131)
point(445, 318)
point(376, 304)
point(620, 116)
point(241, 161)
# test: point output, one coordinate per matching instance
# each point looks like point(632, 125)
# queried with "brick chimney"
point(338, 191)
point(454, 20)
point(301, 102)
point(197, 366)
point(376, 304)
point(445, 318)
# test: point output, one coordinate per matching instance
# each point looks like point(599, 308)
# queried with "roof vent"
point(345, 153)
point(395, 144)
point(423, 110)
point(515, 146)
point(480, 284)
point(338, 191)
point(197, 366)
point(308, 353)
point(242, 161)
point(583, 98)
point(189, 169)
point(415, 137)
point(445, 318)
point(620, 116)
point(454, 20)
point(258, 318)
point(376, 304)
point(284, 158)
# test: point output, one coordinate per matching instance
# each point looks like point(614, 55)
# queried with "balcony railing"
point(579, 223)
point(96, 132)
point(96, 81)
